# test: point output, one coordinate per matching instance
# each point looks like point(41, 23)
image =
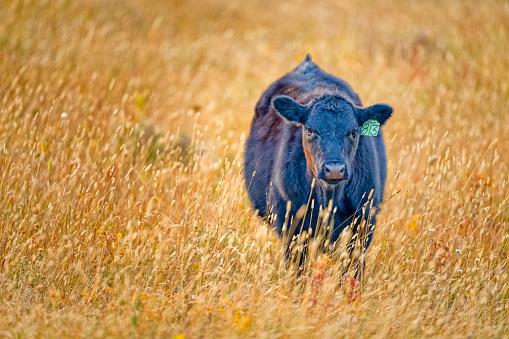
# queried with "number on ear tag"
point(370, 128)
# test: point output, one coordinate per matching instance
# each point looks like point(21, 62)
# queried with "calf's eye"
point(351, 136)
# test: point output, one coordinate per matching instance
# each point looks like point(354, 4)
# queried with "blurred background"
point(180, 58)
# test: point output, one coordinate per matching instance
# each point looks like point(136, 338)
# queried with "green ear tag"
point(370, 128)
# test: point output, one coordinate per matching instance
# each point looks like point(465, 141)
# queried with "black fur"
point(330, 114)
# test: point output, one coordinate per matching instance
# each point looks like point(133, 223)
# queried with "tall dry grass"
point(122, 205)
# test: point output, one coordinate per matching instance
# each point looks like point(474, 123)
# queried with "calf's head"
point(331, 129)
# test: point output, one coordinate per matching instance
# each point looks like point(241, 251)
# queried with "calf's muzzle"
point(334, 171)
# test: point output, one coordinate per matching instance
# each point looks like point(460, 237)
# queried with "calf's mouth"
point(332, 183)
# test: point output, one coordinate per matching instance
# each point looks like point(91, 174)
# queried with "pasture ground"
point(122, 207)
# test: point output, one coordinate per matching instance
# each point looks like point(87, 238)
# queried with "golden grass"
point(127, 216)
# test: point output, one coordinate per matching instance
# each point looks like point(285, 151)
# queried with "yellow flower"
point(241, 322)
point(118, 235)
point(413, 223)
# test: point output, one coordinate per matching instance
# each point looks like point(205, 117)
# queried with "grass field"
point(122, 206)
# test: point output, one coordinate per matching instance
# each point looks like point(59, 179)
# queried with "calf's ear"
point(378, 112)
point(290, 109)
